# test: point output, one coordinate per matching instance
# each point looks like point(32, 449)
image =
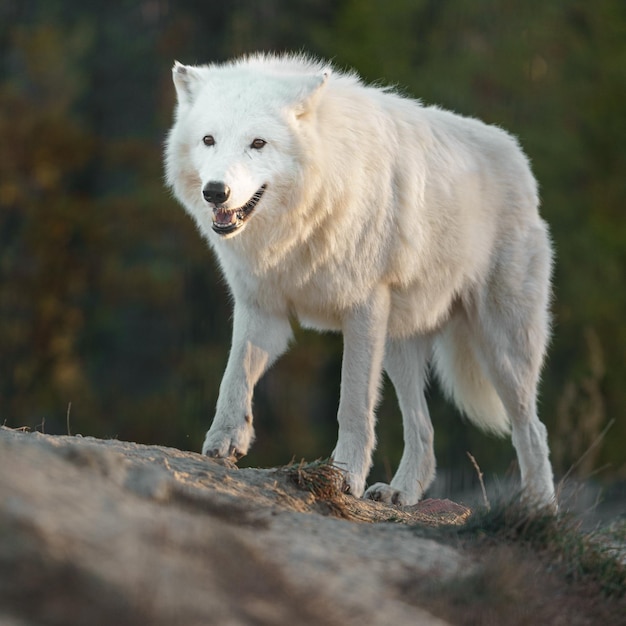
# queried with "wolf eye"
point(208, 140)
point(257, 144)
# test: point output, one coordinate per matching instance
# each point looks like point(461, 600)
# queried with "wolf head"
point(233, 149)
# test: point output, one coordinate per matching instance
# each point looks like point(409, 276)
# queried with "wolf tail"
point(462, 375)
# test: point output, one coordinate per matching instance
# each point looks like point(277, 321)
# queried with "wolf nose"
point(216, 192)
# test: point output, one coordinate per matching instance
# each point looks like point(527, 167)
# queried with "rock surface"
point(108, 532)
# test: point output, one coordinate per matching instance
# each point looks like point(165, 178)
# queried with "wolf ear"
point(186, 79)
point(310, 93)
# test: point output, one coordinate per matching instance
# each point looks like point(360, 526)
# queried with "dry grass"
point(324, 481)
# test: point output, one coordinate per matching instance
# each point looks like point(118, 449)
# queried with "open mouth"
point(226, 221)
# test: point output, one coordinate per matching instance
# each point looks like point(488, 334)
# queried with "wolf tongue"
point(222, 217)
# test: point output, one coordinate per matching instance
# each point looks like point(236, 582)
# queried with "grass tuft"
point(580, 556)
point(530, 567)
point(322, 479)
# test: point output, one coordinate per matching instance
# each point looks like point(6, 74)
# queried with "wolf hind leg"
point(511, 323)
point(515, 376)
point(405, 363)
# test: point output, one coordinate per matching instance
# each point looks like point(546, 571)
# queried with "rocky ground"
point(108, 532)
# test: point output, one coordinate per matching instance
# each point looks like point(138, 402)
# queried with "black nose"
point(216, 192)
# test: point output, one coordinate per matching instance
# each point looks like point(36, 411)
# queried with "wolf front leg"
point(259, 338)
point(364, 333)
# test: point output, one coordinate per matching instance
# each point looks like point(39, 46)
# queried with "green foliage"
point(110, 300)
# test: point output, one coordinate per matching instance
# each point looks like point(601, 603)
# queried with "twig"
point(593, 444)
point(69, 408)
point(480, 479)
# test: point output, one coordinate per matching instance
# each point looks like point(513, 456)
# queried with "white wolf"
point(413, 231)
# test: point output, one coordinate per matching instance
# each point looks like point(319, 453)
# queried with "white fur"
point(412, 230)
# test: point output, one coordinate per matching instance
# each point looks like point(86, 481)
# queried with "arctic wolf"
point(412, 230)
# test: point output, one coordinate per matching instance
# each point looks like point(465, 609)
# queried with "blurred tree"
point(45, 232)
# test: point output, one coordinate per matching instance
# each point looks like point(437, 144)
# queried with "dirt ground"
point(108, 532)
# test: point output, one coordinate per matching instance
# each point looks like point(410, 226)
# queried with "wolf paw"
point(228, 443)
point(381, 492)
point(352, 483)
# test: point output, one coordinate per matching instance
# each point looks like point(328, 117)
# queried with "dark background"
point(111, 307)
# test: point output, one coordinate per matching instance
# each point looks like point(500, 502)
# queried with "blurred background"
point(112, 311)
